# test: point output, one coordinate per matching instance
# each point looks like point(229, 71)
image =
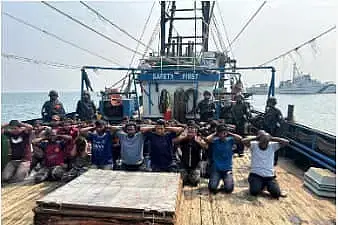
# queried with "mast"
point(163, 21)
point(294, 72)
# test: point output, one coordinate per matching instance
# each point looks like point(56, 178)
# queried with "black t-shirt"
point(191, 153)
point(20, 145)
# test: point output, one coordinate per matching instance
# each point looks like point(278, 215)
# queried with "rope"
point(153, 35)
point(213, 35)
point(89, 28)
point(225, 30)
point(300, 46)
point(142, 34)
point(247, 23)
point(36, 61)
point(222, 44)
point(111, 23)
point(58, 38)
point(147, 47)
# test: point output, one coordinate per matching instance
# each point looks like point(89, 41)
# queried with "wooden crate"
point(112, 197)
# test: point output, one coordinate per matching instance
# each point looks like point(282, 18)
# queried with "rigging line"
point(58, 38)
point(152, 37)
point(247, 23)
point(155, 32)
point(119, 81)
point(213, 35)
point(222, 44)
point(300, 46)
point(225, 30)
point(111, 23)
point(142, 34)
point(36, 61)
point(143, 31)
point(89, 28)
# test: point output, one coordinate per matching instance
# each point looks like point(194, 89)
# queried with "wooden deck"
point(199, 207)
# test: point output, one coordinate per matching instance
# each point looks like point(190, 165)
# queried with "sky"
point(280, 26)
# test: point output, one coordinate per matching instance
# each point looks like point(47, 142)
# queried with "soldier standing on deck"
point(86, 108)
point(52, 107)
point(240, 113)
point(273, 119)
point(206, 107)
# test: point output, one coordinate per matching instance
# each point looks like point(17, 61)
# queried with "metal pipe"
point(272, 85)
point(290, 112)
point(187, 18)
point(323, 164)
point(180, 47)
point(82, 83)
point(173, 48)
point(322, 157)
point(185, 10)
point(137, 100)
point(183, 69)
point(163, 21)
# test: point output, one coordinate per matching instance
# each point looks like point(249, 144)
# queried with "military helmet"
point(206, 93)
point(53, 93)
point(272, 101)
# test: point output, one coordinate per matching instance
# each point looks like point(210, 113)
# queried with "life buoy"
point(115, 101)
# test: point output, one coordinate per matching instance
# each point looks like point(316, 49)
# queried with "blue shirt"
point(161, 149)
point(222, 153)
point(102, 148)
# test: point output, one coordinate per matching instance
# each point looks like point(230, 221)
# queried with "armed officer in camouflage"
point(272, 121)
point(240, 114)
point(206, 108)
point(52, 107)
point(86, 109)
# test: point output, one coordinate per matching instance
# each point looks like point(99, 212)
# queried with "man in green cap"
point(52, 107)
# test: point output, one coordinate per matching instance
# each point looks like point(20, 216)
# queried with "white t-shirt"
point(262, 160)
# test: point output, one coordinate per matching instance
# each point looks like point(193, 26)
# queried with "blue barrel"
point(128, 107)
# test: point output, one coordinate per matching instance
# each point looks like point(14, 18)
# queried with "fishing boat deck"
point(197, 206)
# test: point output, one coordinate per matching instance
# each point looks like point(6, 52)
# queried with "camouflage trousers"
point(50, 173)
point(191, 176)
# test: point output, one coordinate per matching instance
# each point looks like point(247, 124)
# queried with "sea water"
point(317, 111)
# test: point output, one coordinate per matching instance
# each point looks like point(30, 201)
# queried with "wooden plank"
point(301, 206)
point(14, 213)
point(184, 209)
point(195, 218)
point(216, 211)
point(125, 195)
point(154, 191)
point(303, 203)
point(206, 210)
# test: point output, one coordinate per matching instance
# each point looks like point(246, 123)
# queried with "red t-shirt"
point(72, 131)
point(54, 153)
